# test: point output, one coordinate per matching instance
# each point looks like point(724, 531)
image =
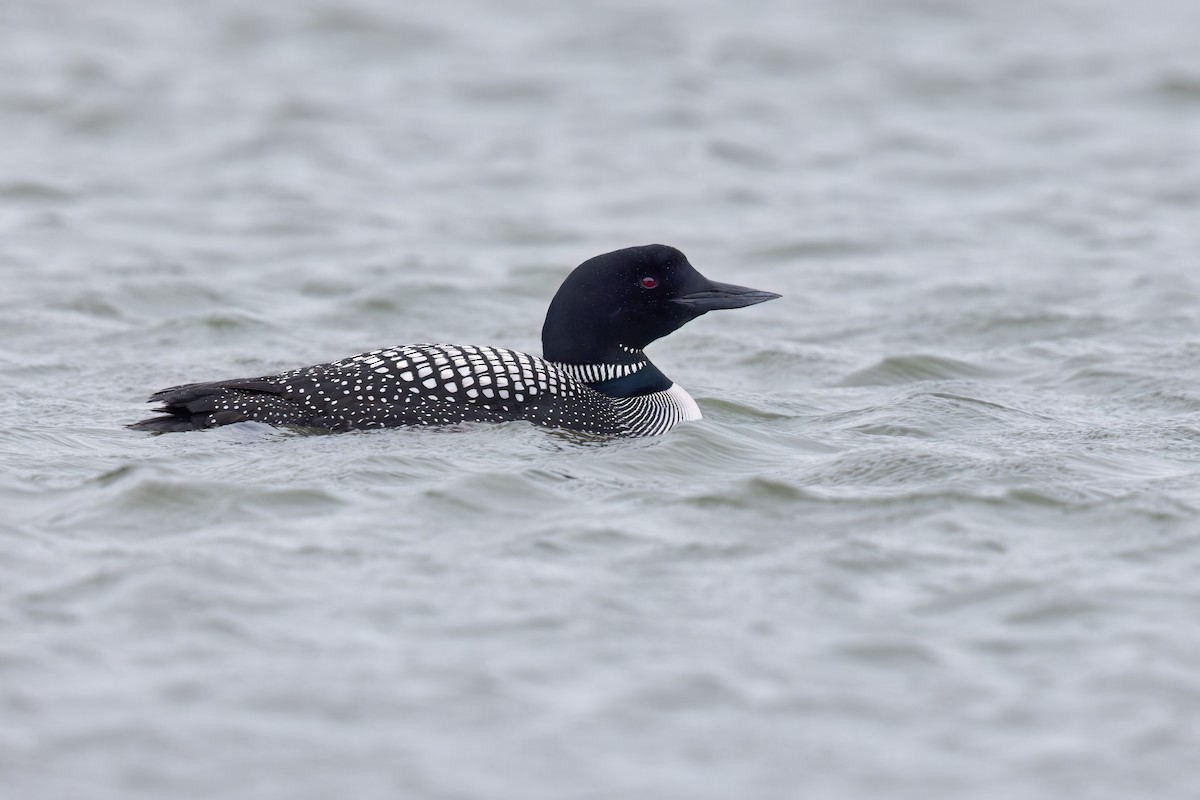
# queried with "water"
point(937, 536)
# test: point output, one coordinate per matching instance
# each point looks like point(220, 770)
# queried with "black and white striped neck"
point(625, 372)
point(599, 373)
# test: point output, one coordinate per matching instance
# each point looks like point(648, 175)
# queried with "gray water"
point(937, 536)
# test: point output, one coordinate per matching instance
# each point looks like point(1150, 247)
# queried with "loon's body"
point(427, 384)
point(594, 377)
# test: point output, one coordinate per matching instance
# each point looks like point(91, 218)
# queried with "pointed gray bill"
point(724, 295)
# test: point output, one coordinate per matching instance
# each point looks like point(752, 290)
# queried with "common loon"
point(593, 376)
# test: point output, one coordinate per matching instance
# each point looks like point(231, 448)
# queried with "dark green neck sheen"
point(646, 380)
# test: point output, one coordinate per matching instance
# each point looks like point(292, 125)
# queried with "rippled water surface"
point(938, 535)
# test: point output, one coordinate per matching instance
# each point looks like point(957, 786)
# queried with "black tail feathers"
point(196, 406)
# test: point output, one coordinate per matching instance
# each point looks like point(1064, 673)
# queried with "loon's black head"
point(627, 299)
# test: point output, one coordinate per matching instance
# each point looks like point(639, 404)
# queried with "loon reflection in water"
point(593, 377)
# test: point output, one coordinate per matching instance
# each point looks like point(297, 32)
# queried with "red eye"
point(649, 282)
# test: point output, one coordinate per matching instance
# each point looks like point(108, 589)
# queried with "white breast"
point(688, 410)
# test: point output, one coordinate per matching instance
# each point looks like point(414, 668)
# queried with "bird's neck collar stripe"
point(596, 373)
